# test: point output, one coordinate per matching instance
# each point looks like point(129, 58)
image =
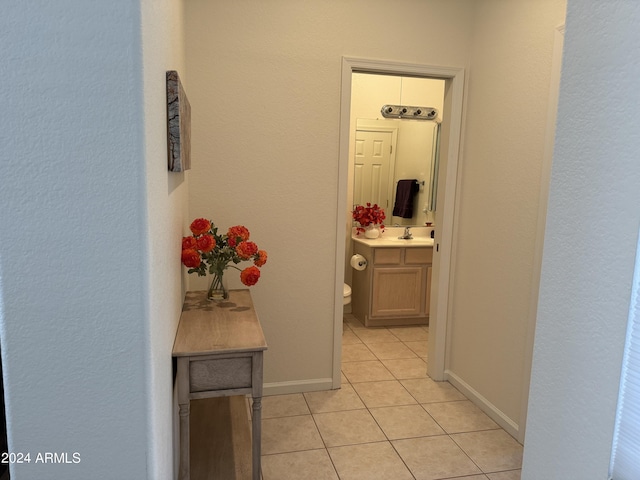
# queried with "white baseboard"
point(298, 386)
point(485, 405)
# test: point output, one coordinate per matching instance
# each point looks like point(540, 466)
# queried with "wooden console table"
point(219, 348)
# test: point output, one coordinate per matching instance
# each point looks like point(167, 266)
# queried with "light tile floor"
point(389, 421)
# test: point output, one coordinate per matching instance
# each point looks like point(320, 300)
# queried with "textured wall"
point(503, 147)
point(265, 80)
point(86, 319)
point(590, 246)
point(166, 217)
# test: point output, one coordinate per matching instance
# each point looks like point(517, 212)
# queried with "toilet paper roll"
point(358, 262)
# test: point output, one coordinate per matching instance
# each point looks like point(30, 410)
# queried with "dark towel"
point(405, 191)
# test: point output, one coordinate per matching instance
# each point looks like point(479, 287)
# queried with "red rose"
point(190, 258)
point(189, 243)
point(200, 226)
point(261, 258)
point(249, 276)
point(246, 250)
point(206, 243)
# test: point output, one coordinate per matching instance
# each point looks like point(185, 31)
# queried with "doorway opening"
point(447, 178)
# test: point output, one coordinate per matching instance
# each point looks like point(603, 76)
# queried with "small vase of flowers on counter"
point(370, 220)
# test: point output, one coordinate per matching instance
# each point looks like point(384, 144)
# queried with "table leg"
point(185, 467)
point(256, 427)
point(184, 410)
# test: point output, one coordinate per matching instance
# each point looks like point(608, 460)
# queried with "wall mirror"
point(389, 154)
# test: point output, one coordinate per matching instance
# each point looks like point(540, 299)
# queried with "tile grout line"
point(373, 416)
point(383, 432)
point(326, 449)
point(430, 416)
point(348, 382)
point(421, 406)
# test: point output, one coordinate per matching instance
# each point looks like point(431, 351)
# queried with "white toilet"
point(346, 298)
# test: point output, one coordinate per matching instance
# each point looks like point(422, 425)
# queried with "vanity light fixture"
point(405, 111)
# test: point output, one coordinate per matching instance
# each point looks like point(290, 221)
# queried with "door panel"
point(373, 172)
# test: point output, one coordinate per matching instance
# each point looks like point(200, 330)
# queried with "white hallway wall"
point(263, 67)
point(265, 82)
point(265, 90)
point(166, 211)
point(587, 271)
point(504, 141)
point(90, 278)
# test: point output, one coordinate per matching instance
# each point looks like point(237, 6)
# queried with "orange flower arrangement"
point(208, 252)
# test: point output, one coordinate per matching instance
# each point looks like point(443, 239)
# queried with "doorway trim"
point(446, 201)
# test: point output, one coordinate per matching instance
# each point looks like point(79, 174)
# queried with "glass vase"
point(218, 291)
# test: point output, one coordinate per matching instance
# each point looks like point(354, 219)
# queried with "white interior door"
point(373, 175)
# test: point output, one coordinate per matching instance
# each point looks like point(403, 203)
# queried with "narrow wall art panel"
point(178, 125)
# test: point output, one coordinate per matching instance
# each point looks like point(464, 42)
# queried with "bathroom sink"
point(390, 238)
point(388, 241)
point(422, 241)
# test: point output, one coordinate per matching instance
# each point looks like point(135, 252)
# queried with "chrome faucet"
point(407, 235)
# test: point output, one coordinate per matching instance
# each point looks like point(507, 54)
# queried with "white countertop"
point(382, 242)
point(389, 238)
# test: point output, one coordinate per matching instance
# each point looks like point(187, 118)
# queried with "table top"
point(211, 328)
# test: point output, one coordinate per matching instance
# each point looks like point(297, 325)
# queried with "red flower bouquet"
point(206, 251)
point(369, 215)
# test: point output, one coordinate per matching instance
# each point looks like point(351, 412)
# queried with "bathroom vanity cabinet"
point(395, 287)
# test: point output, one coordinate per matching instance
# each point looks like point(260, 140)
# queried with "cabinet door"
point(397, 291)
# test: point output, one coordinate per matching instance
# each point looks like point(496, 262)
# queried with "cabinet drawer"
point(418, 255)
point(220, 374)
point(387, 256)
